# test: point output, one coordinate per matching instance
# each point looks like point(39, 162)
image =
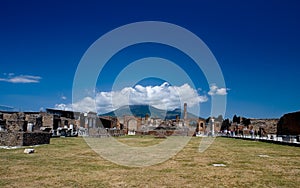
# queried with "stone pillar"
point(185, 111)
point(94, 123)
point(212, 127)
point(185, 114)
point(30, 127)
point(86, 121)
point(198, 127)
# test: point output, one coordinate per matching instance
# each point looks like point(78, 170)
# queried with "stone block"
point(29, 150)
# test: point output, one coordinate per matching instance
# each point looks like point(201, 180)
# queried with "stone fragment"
point(219, 164)
point(29, 150)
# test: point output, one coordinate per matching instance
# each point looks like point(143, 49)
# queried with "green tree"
point(236, 119)
point(246, 122)
point(225, 124)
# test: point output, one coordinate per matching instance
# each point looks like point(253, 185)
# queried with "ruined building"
point(289, 124)
point(22, 128)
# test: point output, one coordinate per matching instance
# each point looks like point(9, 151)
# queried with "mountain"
point(142, 110)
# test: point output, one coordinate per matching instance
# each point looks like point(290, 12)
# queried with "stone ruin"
point(289, 124)
point(256, 127)
point(20, 129)
point(269, 126)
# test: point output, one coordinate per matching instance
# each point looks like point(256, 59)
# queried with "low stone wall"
point(36, 138)
point(102, 132)
point(11, 139)
point(266, 140)
point(23, 138)
point(170, 133)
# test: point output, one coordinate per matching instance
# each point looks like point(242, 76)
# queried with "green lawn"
point(69, 162)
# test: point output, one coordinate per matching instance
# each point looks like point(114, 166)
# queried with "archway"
point(132, 125)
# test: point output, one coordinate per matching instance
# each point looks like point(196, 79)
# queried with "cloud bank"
point(12, 78)
point(163, 96)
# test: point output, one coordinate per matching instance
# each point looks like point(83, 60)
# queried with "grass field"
point(69, 162)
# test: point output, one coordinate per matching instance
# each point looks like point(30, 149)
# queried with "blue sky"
point(256, 44)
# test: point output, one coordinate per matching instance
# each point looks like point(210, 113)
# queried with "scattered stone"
point(263, 155)
point(28, 151)
point(219, 164)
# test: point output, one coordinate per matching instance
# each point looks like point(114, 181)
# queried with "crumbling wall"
point(36, 119)
point(36, 138)
point(47, 119)
point(23, 139)
point(289, 124)
point(15, 122)
point(168, 132)
point(67, 122)
point(268, 125)
point(11, 139)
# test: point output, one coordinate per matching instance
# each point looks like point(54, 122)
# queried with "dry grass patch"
point(139, 141)
point(69, 162)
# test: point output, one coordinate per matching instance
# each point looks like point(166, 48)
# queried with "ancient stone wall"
point(129, 119)
point(67, 122)
point(23, 139)
point(218, 125)
point(268, 125)
point(18, 121)
point(168, 133)
point(36, 119)
point(102, 132)
point(35, 138)
point(289, 124)
point(47, 119)
point(15, 122)
point(11, 139)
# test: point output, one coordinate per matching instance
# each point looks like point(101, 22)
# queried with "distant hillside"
point(142, 110)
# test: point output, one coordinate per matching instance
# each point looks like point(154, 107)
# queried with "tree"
point(225, 124)
point(207, 120)
point(236, 119)
point(246, 121)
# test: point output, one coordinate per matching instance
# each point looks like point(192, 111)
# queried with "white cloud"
point(163, 97)
point(215, 90)
point(21, 78)
point(64, 106)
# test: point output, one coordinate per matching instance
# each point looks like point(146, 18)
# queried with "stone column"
point(212, 127)
point(185, 115)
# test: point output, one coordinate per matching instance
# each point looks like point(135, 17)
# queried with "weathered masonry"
point(22, 129)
